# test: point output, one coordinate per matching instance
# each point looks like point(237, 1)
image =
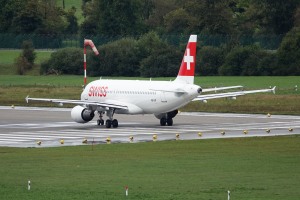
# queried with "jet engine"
point(82, 115)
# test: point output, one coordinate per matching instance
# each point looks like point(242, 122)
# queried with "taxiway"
point(25, 126)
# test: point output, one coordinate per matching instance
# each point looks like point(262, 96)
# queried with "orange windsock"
point(91, 44)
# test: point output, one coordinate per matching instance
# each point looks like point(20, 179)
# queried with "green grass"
point(251, 168)
point(282, 82)
point(9, 56)
point(7, 60)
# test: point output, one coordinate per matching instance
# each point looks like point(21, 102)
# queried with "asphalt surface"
point(27, 126)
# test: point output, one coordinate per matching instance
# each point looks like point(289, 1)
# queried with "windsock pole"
point(91, 44)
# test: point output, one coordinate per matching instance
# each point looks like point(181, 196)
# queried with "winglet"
point(27, 98)
point(273, 89)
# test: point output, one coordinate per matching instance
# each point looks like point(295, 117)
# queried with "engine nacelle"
point(82, 115)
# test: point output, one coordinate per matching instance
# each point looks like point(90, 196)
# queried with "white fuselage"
point(141, 97)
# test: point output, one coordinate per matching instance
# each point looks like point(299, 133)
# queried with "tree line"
point(126, 24)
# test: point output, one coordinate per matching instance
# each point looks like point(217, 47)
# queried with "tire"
point(100, 122)
point(108, 123)
point(115, 123)
point(163, 121)
point(170, 122)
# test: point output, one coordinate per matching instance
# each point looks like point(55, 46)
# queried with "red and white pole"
point(126, 191)
point(91, 44)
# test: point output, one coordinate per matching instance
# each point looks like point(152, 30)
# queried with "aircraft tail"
point(187, 68)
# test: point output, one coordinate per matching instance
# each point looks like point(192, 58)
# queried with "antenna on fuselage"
point(91, 44)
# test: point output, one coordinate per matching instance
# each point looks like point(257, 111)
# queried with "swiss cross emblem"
point(188, 59)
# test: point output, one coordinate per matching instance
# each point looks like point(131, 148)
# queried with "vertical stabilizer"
point(187, 68)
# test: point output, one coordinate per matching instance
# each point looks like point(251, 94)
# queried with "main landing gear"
point(166, 121)
point(167, 118)
point(109, 122)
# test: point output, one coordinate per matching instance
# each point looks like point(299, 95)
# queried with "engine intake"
point(82, 115)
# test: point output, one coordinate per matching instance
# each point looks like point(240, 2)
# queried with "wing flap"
point(80, 102)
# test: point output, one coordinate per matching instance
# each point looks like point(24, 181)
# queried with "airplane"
point(161, 98)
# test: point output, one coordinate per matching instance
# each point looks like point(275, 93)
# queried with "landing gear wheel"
point(108, 123)
point(163, 121)
point(100, 122)
point(115, 123)
point(170, 122)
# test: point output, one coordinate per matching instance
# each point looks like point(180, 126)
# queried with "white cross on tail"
point(188, 59)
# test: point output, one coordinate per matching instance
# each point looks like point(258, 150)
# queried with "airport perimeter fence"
point(40, 41)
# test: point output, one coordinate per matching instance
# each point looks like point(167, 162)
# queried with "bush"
point(289, 53)
point(163, 62)
point(26, 59)
point(22, 65)
point(157, 57)
point(64, 61)
point(242, 61)
point(117, 58)
point(268, 65)
point(209, 59)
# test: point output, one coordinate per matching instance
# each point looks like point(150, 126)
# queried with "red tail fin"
point(187, 68)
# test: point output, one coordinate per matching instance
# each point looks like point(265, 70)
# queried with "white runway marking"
point(29, 135)
point(25, 126)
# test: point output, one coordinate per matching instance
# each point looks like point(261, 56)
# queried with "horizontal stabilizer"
point(231, 94)
point(221, 88)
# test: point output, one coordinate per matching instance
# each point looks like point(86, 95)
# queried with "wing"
point(110, 104)
point(230, 94)
point(220, 88)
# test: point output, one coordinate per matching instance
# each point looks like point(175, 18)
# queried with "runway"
point(26, 126)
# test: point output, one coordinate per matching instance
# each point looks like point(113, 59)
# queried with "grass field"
point(9, 56)
point(251, 168)
point(7, 59)
point(287, 83)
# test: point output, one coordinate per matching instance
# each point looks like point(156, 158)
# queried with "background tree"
point(289, 53)
point(72, 27)
point(242, 61)
point(118, 58)
point(8, 11)
point(26, 59)
point(209, 59)
point(160, 9)
point(29, 19)
point(274, 16)
point(116, 17)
